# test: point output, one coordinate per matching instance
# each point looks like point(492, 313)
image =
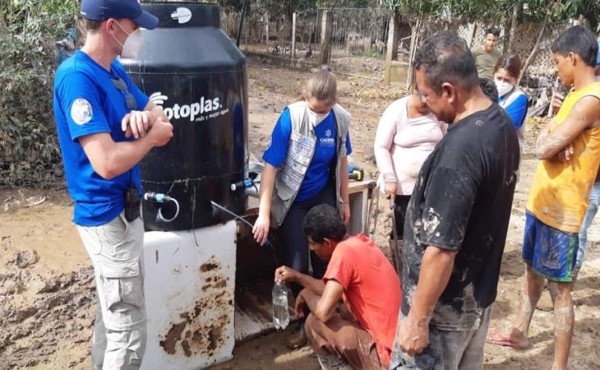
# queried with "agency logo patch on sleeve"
point(81, 111)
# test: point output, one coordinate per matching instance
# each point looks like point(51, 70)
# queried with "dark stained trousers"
point(294, 241)
point(400, 207)
point(345, 340)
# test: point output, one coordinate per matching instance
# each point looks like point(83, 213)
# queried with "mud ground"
point(47, 299)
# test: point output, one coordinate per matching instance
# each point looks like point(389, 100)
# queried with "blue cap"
point(101, 10)
point(598, 56)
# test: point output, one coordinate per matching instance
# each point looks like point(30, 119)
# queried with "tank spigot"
point(242, 185)
point(162, 199)
point(157, 197)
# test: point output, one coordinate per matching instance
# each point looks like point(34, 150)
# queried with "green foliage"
point(477, 10)
point(283, 7)
point(416, 7)
point(587, 9)
point(29, 153)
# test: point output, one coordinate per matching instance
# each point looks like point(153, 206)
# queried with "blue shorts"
point(550, 252)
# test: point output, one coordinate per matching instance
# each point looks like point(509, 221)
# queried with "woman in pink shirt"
point(406, 135)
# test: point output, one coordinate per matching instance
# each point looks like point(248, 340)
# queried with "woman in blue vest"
point(305, 165)
point(510, 97)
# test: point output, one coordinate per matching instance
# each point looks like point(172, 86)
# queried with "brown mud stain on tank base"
point(209, 265)
point(220, 284)
point(196, 335)
point(186, 348)
point(199, 333)
point(211, 272)
point(214, 335)
point(173, 336)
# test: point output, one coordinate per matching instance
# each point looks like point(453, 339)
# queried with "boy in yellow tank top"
point(569, 149)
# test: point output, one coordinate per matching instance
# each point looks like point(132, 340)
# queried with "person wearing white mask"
point(510, 97)
point(105, 126)
point(306, 165)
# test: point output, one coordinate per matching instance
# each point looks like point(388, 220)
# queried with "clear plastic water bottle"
point(281, 315)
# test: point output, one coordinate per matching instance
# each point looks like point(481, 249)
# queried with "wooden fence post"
point(267, 30)
point(294, 35)
point(326, 30)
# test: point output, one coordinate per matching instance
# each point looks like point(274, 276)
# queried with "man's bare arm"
point(289, 275)
point(110, 159)
point(323, 307)
point(585, 114)
point(434, 276)
point(436, 268)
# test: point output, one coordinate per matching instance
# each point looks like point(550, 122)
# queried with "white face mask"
point(133, 43)
point(503, 87)
point(316, 118)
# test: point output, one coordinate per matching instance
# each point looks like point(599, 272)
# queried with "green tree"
point(584, 9)
point(28, 146)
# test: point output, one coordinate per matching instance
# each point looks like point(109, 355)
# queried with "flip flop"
point(501, 339)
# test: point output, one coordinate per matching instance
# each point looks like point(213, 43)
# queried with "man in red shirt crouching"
point(359, 273)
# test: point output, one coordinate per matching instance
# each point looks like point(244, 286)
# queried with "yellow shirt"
point(560, 191)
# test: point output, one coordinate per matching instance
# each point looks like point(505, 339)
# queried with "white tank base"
point(189, 283)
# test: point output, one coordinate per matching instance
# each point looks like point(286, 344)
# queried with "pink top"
point(402, 144)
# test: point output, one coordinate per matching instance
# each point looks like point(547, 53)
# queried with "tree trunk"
point(392, 44)
point(534, 50)
point(397, 20)
point(513, 28)
point(414, 41)
point(473, 34)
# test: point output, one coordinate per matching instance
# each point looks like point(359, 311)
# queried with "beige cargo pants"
point(115, 249)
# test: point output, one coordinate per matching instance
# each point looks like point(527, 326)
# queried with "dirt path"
point(47, 300)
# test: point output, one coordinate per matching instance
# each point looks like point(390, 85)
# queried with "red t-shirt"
point(371, 289)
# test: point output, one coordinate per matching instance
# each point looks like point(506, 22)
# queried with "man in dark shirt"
point(457, 218)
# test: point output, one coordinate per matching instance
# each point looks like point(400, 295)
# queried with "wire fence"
point(359, 37)
point(356, 33)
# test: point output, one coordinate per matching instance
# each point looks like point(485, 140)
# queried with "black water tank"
point(194, 70)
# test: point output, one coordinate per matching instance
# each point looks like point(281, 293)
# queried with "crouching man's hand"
point(300, 303)
point(286, 274)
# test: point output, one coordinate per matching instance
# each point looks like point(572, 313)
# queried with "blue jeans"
point(587, 221)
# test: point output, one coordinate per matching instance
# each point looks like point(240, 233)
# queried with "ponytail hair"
point(321, 86)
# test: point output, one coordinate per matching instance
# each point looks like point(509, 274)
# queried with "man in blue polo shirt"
point(105, 127)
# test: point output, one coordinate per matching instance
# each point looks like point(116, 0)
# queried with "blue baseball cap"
point(101, 10)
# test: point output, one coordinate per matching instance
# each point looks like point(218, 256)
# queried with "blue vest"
point(300, 153)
